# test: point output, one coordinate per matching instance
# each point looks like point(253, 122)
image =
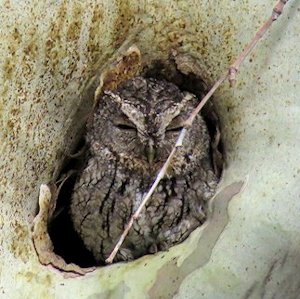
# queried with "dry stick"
point(277, 11)
point(231, 75)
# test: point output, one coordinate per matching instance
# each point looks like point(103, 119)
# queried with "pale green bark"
point(50, 50)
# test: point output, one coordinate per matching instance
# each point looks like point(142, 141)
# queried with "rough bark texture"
point(51, 53)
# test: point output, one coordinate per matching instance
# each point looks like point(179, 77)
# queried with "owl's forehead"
point(138, 107)
point(150, 99)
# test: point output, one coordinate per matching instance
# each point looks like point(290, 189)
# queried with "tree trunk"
point(51, 55)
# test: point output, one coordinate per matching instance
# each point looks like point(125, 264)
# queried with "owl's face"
point(141, 120)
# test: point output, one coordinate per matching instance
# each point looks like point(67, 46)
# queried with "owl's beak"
point(150, 152)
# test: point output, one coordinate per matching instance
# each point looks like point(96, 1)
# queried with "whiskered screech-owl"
point(130, 136)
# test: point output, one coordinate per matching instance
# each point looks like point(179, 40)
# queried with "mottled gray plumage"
point(130, 136)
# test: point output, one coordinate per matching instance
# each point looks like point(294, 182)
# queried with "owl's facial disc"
point(153, 139)
point(145, 117)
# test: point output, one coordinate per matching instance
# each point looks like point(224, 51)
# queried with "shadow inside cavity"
point(66, 241)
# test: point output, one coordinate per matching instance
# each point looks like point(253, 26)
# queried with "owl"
point(129, 137)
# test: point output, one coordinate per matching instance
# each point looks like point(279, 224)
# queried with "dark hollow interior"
point(66, 242)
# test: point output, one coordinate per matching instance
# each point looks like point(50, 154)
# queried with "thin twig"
point(190, 120)
point(231, 75)
point(233, 69)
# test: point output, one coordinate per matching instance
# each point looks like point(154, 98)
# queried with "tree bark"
point(52, 53)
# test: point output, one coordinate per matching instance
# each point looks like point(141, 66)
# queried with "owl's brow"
point(176, 109)
point(134, 115)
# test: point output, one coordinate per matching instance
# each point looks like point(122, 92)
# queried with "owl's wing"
point(99, 210)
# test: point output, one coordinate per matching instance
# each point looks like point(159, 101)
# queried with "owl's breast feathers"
point(107, 194)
